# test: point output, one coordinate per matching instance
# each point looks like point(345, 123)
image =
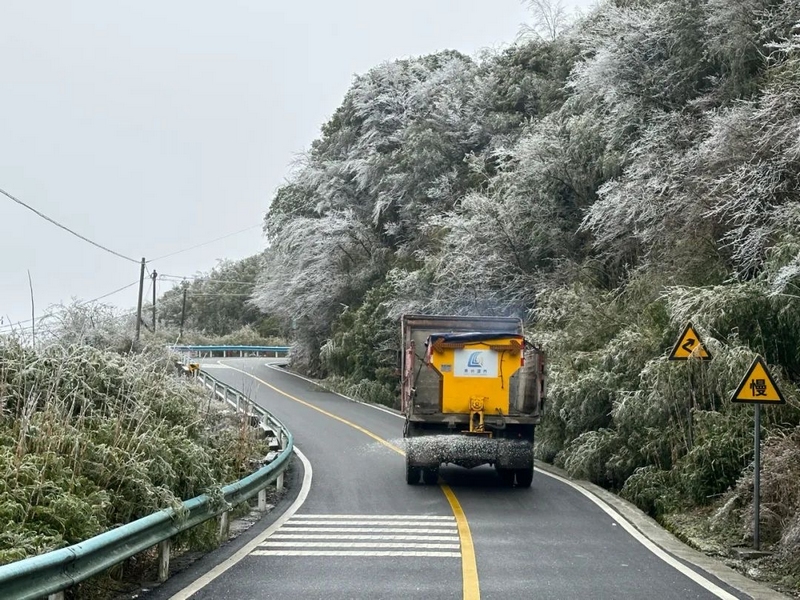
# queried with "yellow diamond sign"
point(758, 386)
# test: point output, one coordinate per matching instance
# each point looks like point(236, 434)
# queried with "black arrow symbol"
point(688, 344)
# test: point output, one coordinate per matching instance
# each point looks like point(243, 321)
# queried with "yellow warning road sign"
point(689, 345)
point(758, 386)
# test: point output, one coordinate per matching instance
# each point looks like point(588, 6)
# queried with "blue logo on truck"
point(475, 363)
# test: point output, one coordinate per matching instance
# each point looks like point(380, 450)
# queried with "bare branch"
point(550, 18)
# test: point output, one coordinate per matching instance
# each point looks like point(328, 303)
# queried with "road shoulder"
point(659, 536)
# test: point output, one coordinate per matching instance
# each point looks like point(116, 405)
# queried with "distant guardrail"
point(223, 351)
point(53, 572)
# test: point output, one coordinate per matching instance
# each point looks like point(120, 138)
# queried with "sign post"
point(757, 480)
point(690, 346)
point(757, 387)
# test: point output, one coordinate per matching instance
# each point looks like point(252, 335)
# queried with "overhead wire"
point(203, 244)
point(67, 229)
point(109, 250)
point(216, 295)
point(16, 324)
point(124, 287)
point(202, 278)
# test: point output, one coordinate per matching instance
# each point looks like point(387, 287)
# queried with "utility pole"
point(33, 311)
point(154, 299)
point(139, 305)
point(183, 315)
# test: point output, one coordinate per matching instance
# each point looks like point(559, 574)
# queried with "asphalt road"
point(362, 532)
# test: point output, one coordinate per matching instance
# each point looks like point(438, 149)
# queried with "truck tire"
point(430, 476)
point(412, 473)
point(524, 477)
point(506, 476)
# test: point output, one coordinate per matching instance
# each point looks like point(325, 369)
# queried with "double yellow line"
point(469, 567)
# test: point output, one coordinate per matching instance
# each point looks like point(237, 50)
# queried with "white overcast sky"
point(152, 126)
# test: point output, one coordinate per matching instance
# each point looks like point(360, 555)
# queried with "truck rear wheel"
point(430, 476)
point(412, 473)
point(506, 476)
point(524, 477)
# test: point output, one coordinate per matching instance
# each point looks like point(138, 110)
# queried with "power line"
point(65, 228)
point(204, 243)
point(124, 287)
point(202, 278)
point(220, 295)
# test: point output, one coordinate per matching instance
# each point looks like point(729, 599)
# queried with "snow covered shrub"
point(90, 439)
point(587, 455)
point(721, 449)
point(780, 496)
point(652, 490)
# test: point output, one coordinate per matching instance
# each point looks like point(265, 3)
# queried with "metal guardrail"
point(58, 570)
point(208, 351)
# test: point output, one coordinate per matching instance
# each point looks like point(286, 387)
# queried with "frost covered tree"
point(607, 181)
point(217, 302)
point(549, 18)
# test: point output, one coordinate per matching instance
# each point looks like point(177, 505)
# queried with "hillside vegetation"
point(640, 170)
point(218, 307)
point(91, 439)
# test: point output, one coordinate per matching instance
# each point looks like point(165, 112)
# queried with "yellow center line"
point(469, 566)
point(324, 412)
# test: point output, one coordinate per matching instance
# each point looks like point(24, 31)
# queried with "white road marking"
point(248, 548)
point(430, 546)
point(374, 535)
point(387, 530)
point(355, 553)
point(337, 536)
point(637, 535)
point(380, 517)
point(359, 523)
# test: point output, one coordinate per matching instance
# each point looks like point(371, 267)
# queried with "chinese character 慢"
point(758, 387)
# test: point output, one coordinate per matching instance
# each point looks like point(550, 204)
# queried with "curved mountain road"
point(359, 531)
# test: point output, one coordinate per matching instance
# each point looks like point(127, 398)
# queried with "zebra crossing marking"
point(428, 536)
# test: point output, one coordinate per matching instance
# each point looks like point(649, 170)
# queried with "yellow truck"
point(473, 390)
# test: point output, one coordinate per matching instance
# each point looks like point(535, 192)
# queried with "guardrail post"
point(163, 560)
point(279, 482)
point(56, 596)
point(262, 500)
point(238, 397)
point(224, 525)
